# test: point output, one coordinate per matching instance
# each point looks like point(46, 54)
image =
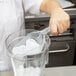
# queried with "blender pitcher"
point(28, 65)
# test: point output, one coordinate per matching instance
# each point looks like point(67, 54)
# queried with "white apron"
point(12, 20)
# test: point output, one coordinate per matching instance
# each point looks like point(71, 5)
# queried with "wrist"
point(56, 10)
point(49, 6)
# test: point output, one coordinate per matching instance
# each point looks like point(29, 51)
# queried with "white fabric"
point(32, 6)
point(12, 20)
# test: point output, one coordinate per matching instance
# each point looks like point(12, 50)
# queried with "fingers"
point(58, 26)
point(66, 22)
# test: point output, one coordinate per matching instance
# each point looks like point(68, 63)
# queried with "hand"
point(59, 21)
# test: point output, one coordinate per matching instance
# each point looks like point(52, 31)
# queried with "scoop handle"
point(45, 31)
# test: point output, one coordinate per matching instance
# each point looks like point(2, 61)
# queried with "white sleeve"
point(32, 6)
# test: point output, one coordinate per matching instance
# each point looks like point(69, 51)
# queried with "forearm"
point(48, 6)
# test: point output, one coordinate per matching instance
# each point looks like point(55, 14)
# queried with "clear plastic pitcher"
point(28, 65)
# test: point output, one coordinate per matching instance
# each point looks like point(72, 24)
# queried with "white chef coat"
point(12, 20)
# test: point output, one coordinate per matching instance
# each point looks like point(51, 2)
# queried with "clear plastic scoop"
point(45, 31)
point(34, 34)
